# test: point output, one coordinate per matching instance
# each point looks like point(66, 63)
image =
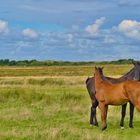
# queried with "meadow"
point(52, 103)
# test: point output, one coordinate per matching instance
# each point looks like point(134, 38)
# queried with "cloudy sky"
point(74, 30)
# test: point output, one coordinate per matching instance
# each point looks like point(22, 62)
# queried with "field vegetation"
point(52, 103)
point(112, 70)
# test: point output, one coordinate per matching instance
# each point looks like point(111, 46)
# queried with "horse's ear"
point(102, 68)
point(95, 68)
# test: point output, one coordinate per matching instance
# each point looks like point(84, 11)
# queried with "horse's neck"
point(127, 76)
point(98, 79)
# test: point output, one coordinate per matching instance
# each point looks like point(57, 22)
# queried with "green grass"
point(62, 70)
point(56, 108)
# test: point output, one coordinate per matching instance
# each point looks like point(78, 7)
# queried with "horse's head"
point(136, 70)
point(99, 70)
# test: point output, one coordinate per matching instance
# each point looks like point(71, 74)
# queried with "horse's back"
point(113, 80)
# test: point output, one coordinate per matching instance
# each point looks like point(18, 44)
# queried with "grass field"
point(63, 70)
point(52, 103)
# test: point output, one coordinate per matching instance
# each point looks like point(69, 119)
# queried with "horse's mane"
point(130, 73)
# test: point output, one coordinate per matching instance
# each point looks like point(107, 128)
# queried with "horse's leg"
point(95, 122)
point(123, 115)
point(103, 109)
point(91, 116)
point(131, 115)
point(93, 119)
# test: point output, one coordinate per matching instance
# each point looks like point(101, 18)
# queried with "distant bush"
point(7, 62)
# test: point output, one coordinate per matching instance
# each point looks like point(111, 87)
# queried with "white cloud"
point(130, 28)
point(94, 28)
point(128, 2)
point(30, 33)
point(4, 27)
point(109, 40)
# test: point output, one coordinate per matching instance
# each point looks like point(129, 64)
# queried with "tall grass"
point(46, 81)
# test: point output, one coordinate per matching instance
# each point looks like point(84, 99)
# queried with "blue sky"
point(73, 30)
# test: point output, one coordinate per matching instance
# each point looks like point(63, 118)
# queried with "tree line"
point(7, 62)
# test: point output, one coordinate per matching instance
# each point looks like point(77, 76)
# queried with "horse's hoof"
point(103, 128)
point(122, 127)
point(96, 124)
point(131, 126)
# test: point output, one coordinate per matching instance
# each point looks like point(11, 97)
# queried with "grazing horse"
point(115, 94)
point(134, 73)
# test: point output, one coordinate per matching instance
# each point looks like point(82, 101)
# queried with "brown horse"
point(134, 73)
point(115, 94)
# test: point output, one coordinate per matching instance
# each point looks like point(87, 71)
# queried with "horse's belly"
point(116, 102)
point(116, 99)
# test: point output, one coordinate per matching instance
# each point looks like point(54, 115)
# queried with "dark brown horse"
point(134, 73)
point(115, 94)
